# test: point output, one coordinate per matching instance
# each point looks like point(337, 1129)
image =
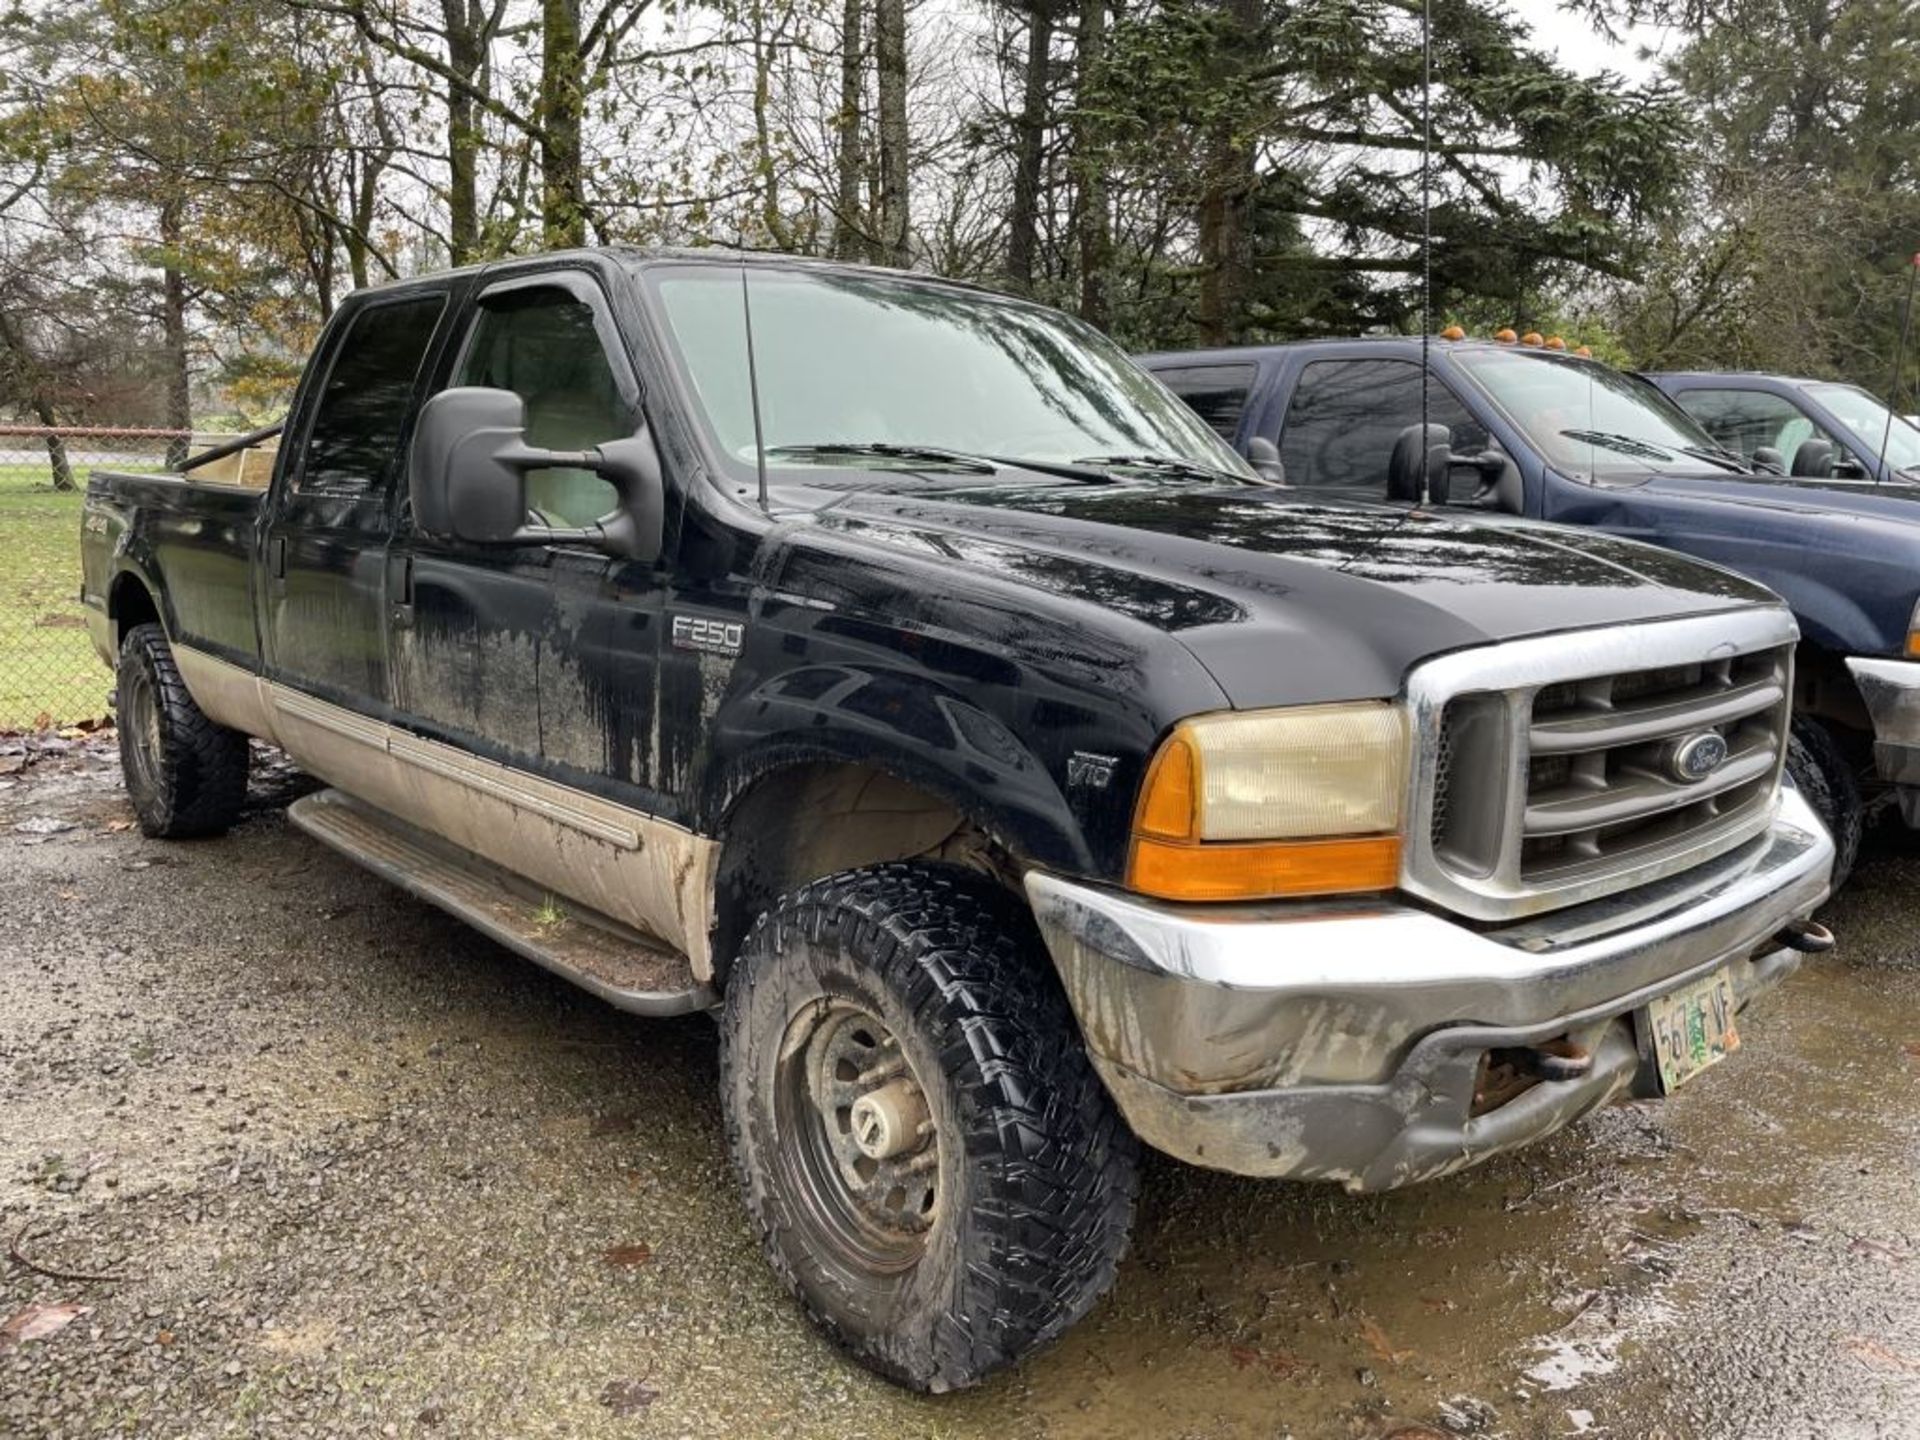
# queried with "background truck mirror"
point(1404, 483)
point(1814, 459)
point(1264, 456)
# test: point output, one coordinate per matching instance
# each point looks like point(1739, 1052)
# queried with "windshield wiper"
point(1626, 444)
point(959, 459)
point(1717, 456)
point(1166, 464)
point(978, 464)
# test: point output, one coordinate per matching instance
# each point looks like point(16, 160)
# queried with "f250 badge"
point(715, 637)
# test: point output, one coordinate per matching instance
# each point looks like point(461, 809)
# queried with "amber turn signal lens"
point(1913, 643)
point(1172, 871)
point(1167, 807)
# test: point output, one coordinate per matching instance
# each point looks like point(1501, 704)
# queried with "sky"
point(1584, 50)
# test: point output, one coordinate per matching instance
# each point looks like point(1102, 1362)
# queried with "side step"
point(617, 963)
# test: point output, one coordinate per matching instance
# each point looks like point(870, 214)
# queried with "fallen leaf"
point(628, 1397)
point(1875, 1353)
point(165, 1337)
point(1439, 1304)
point(36, 1322)
point(1876, 1250)
point(1242, 1355)
point(1377, 1342)
point(116, 826)
point(628, 1256)
point(1912, 1047)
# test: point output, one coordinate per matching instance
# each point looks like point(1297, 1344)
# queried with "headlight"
point(1247, 806)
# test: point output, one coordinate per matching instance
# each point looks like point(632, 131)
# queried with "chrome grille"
point(1548, 771)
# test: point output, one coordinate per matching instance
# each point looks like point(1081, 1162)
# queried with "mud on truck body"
point(892, 669)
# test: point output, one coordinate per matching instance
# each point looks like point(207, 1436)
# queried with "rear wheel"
point(1821, 771)
point(186, 775)
point(933, 1166)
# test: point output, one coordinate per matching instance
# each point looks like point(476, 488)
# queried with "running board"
point(615, 962)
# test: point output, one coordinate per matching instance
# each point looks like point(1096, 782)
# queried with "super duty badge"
point(715, 637)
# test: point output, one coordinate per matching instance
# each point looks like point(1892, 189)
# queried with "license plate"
point(1693, 1029)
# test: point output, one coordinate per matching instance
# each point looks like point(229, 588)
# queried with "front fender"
point(921, 732)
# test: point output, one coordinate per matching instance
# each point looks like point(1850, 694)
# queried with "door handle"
point(277, 557)
point(400, 589)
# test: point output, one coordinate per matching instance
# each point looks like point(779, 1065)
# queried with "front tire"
point(186, 775)
point(1818, 767)
point(934, 1168)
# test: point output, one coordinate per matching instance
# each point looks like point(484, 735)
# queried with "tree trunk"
point(1093, 225)
point(1023, 223)
point(464, 48)
point(1229, 181)
point(890, 53)
point(26, 375)
point(850, 239)
point(763, 49)
point(562, 209)
point(173, 324)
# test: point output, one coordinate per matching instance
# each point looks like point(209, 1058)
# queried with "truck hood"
point(1894, 500)
point(1286, 602)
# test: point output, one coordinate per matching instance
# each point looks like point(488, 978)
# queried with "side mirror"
point(1486, 480)
point(1417, 465)
point(1765, 457)
point(467, 474)
point(1264, 456)
point(1813, 460)
point(1849, 468)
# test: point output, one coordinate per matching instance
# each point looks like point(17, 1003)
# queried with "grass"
point(49, 674)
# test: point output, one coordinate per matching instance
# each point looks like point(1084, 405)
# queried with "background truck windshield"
point(864, 359)
point(1591, 420)
point(1866, 417)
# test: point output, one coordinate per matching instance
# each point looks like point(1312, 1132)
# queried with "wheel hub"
point(875, 1154)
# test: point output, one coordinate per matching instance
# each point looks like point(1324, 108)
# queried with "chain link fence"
point(49, 675)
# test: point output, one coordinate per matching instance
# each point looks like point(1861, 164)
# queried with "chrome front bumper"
point(1344, 1040)
point(1891, 691)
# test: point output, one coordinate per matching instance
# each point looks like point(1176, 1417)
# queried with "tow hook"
point(1554, 1060)
point(1806, 937)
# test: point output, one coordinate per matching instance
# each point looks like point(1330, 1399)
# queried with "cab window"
point(1344, 416)
point(353, 444)
point(1745, 420)
point(1217, 393)
point(541, 343)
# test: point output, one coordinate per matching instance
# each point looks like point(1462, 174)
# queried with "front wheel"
point(1821, 771)
point(933, 1166)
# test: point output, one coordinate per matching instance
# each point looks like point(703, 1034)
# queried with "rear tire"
point(933, 1166)
point(1821, 771)
point(186, 775)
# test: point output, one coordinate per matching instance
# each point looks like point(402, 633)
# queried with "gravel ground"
point(355, 1171)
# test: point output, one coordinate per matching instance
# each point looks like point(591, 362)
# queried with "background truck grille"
point(1557, 790)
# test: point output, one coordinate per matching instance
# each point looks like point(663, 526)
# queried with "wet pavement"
point(355, 1171)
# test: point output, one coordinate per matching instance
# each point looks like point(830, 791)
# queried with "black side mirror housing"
point(467, 475)
point(1264, 456)
point(1765, 457)
point(1486, 480)
point(1813, 460)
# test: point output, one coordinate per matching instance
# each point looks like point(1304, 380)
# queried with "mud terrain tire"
point(1017, 1215)
point(1824, 777)
point(186, 775)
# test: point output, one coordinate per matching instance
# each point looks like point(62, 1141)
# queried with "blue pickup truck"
point(1802, 427)
point(1542, 433)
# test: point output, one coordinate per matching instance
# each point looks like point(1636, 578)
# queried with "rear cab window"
point(353, 440)
point(1217, 393)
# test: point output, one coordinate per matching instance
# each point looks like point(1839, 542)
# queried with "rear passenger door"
point(1344, 416)
point(323, 618)
point(1216, 393)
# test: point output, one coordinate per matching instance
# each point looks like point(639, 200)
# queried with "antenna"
point(1899, 359)
point(753, 391)
point(1426, 243)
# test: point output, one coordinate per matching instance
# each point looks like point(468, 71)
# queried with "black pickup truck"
point(893, 669)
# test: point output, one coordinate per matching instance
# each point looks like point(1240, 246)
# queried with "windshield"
point(891, 364)
point(1862, 414)
point(1589, 419)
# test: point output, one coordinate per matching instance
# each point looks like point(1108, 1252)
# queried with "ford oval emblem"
point(1698, 756)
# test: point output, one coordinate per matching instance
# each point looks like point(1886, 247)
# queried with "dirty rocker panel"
point(632, 867)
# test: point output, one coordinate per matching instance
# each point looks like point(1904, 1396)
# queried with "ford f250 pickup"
point(895, 670)
point(1538, 432)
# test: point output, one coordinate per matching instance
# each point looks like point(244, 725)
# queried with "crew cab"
point(1533, 431)
point(895, 670)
